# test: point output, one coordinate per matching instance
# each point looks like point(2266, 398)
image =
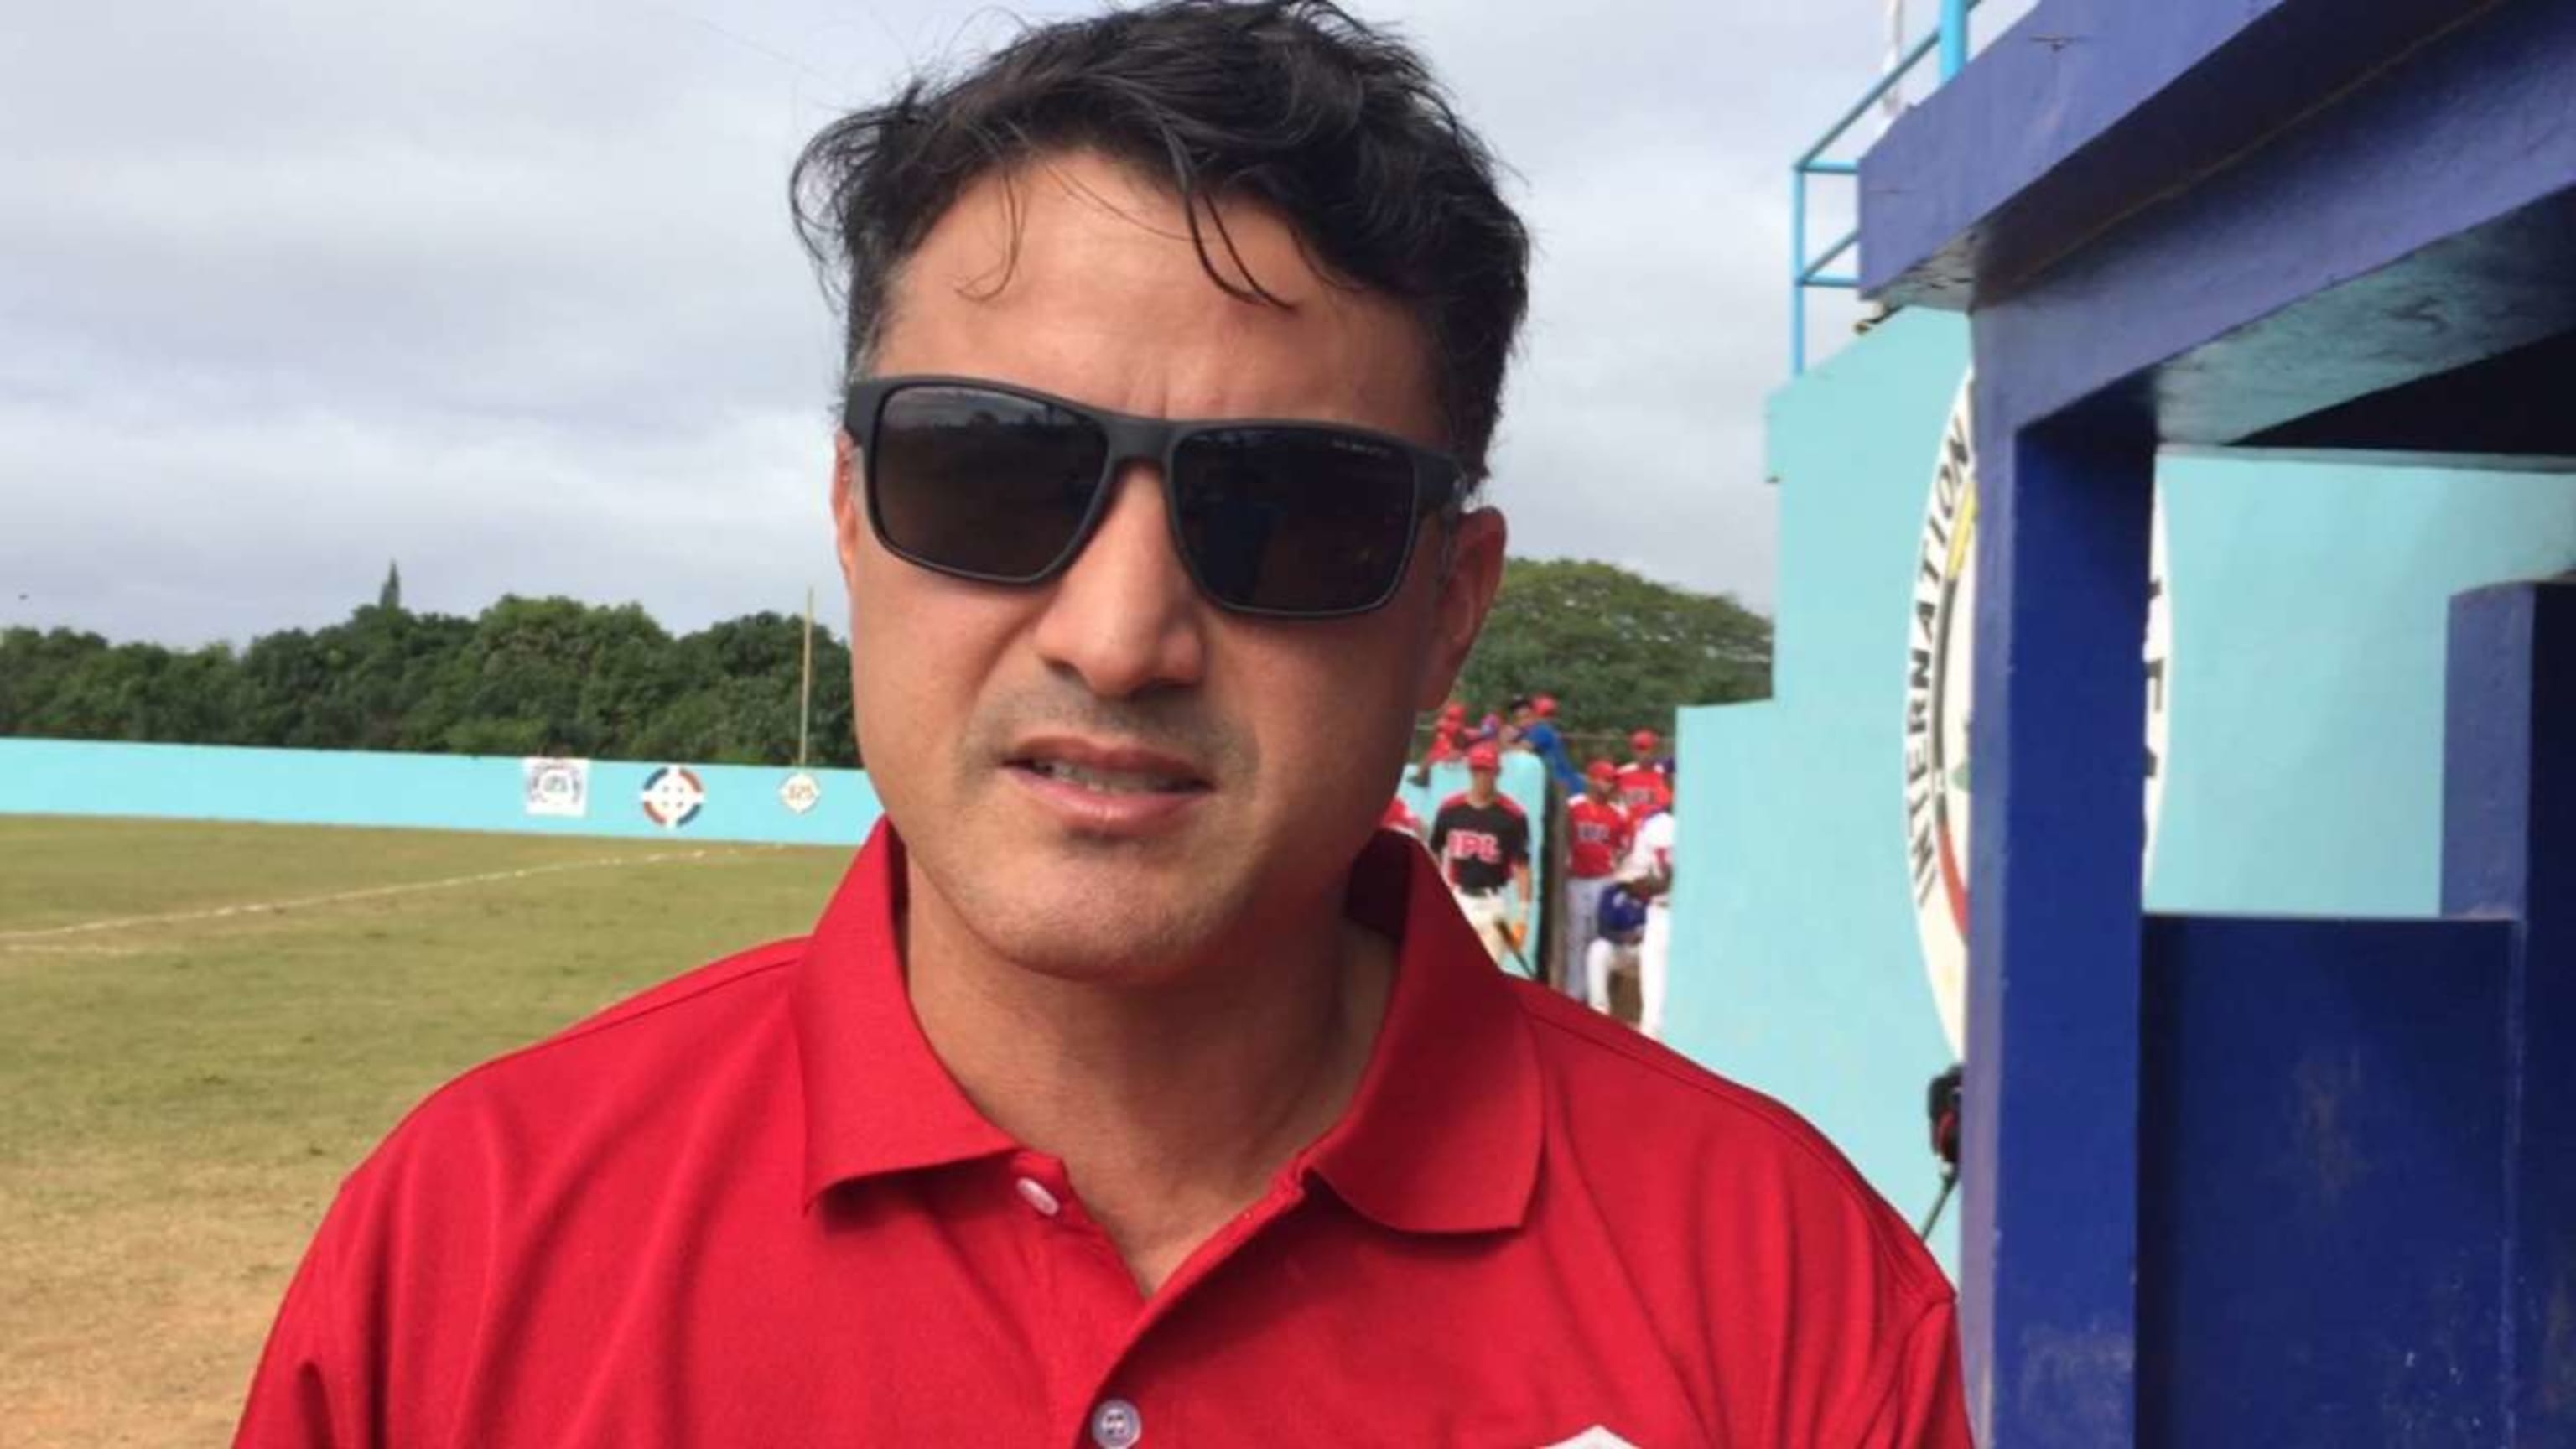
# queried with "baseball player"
point(1535, 719)
point(1649, 873)
point(1482, 841)
point(1597, 828)
point(1447, 740)
point(1643, 787)
point(1621, 921)
point(1400, 816)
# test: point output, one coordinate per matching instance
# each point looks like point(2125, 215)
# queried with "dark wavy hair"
point(1339, 127)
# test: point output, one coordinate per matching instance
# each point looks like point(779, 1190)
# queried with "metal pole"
point(1954, 37)
point(805, 691)
point(1798, 269)
point(1892, 105)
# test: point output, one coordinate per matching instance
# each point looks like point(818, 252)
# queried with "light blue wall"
point(482, 792)
point(2305, 757)
point(2310, 611)
point(436, 792)
point(1795, 968)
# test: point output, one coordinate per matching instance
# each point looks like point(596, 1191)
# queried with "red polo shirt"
point(750, 1207)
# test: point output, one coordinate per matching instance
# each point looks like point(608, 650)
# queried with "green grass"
point(186, 1069)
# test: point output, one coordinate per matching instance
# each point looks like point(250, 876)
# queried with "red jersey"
point(1596, 837)
point(752, 1207)
point(1643, 789)
point(1444, 747)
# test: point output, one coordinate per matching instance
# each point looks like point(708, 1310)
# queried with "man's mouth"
point(1102, 768)
point(1112, 782)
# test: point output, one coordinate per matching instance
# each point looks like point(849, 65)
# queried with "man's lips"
point(1104, 768)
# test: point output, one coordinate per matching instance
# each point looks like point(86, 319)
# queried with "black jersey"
point(1478, 845)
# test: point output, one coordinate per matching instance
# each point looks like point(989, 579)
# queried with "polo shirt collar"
point(877, 1099)
point(1444, 1133)
point(1442, 1136)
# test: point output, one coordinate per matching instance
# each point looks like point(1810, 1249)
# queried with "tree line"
point(1619, 651)
point(526, 677)
point(546, 676)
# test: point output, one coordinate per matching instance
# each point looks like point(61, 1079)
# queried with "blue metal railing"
point(1951, 40)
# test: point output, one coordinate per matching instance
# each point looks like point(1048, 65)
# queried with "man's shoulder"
point(599, 1079)
point(1696, 1157)
point(671, 1017)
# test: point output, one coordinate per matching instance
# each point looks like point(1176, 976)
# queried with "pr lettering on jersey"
point(1475, 845)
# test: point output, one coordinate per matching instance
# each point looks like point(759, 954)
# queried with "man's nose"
point(1125, 617)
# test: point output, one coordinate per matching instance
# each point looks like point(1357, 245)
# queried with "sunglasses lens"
point(981, 483)
point(1294, 520)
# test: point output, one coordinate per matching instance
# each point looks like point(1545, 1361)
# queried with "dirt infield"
point(206, 1025)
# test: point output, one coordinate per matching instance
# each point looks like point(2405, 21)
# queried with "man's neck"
point(1172, 1106)
point(1480, 794)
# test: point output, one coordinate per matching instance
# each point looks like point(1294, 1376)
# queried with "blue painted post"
point(2049, 1226)
point(1798, 269)
point(2509, 850)
point(1954, 37)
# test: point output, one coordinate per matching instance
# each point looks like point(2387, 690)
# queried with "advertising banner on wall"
point(556, 787)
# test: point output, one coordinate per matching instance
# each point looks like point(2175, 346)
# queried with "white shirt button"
point(1116, 1425)
point(1035, 1194)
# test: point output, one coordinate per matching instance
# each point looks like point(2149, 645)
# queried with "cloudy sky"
point(507, 292)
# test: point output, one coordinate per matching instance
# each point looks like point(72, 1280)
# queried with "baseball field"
point(203, 1026)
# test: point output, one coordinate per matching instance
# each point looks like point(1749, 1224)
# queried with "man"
point(1596, 829)
point(1643, 786)
point(1447, 743)
point(1400, 817)
point(1535, 719)
point(1619, 918)
point(1648, 873)
point(1481, 838)
point(1133, 1088)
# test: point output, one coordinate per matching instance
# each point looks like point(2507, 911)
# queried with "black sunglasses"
point(1292, 520)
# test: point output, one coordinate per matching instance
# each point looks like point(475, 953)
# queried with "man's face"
point(972, 700)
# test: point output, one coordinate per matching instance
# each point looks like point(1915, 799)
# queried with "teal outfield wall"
point(431, 792)
point(2303, 767)
point(479, 792)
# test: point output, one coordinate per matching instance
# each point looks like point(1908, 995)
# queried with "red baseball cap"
point(1601, 770)
point(1545, 704)
point(1484, 757)
point(1643, 741)
point(1453, 710)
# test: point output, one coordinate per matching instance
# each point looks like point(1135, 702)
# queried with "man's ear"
point(846, 522)
point(846, 508)
point(1471, 574)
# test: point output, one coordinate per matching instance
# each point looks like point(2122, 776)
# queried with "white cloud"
point(509, 292)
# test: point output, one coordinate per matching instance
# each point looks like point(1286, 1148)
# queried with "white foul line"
point(254, 908)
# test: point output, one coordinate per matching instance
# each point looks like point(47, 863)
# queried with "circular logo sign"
point(673, 796)
point(800, 792)
point(1940, 672)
